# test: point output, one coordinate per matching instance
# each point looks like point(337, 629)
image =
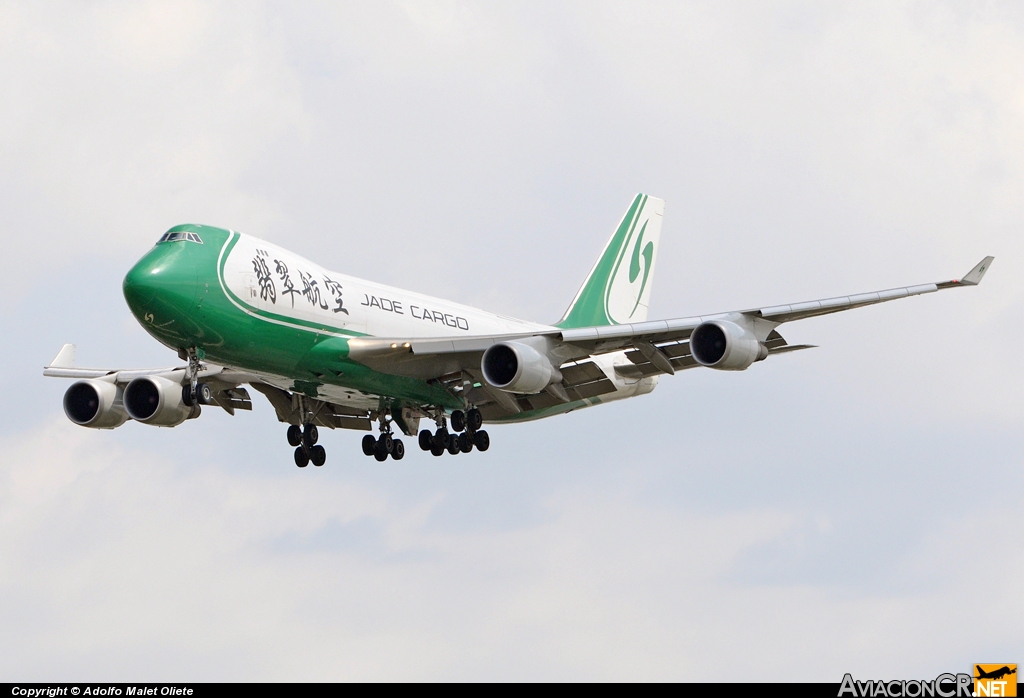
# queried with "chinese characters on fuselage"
point(267, 290)
point(310, 288)
point(289, 288)
point(311, 292)
point(334, 288)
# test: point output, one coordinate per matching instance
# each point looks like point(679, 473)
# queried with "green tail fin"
point(618, 288)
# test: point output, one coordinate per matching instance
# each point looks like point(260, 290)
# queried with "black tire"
point(204, 394)
point(458, 420)
point(437, 447)
point(474, 420)
point(482, 440)
point(380, 454)
point(369, 445)
point(466, 442)
point(453, 444)
point(386, 442)
point(425, 440)
point(318, 455)
point(398, 450)
point(301, 457)
point(294, 435)
point(186, 395)
point(310, 435)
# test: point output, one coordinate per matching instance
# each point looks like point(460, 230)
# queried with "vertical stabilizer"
point(618, 288)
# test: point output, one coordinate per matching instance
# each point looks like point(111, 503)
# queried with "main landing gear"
point(306, 448)
point(467, 422)
point(384, 446)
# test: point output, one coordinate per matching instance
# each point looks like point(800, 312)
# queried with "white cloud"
point(121, 565)
point(119, 118)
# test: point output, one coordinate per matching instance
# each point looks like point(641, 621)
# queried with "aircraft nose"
point(139, 287)
point(165, 276)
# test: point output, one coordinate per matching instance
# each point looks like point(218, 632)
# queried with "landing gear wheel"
point(380, 454)
point(385, 443)
point(294, 435)
point(482, 440)
point(398, 450)
point(318, 455)
point(186, 395)
point(458, 420)
point(301, 457)
point(310, 434)
point(438, 444)
point(474, 420)
point(425, 438)
point(465, 443)
point(204, 394)
point(453, 444)
point(369, 445)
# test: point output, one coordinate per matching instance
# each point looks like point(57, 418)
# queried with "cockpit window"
point(173, 237)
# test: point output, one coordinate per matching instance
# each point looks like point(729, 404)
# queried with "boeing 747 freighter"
point(330, 350)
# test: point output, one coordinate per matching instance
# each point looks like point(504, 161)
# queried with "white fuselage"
point(303, 293)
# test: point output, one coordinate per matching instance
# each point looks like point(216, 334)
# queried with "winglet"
point(65, 358)
point(973, 277)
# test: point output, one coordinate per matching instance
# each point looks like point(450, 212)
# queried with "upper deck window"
point(172, 237)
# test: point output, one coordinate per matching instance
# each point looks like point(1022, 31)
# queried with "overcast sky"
point(854, 508)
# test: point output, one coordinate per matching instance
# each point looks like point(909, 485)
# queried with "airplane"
point(330, 350)
point(994, 674)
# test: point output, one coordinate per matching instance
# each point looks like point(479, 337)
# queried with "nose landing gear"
point(194, 393)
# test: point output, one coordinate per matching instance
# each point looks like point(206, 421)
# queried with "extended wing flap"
point(232, 399)
point(580, 373)
point(325, 414)
point(585, 379)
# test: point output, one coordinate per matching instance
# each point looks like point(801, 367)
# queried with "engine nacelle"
point(93, 403)
point(518, 368)
point(725, 346)
point(157, 401)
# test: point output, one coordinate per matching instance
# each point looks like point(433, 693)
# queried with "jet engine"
point(725, 346)
point(91, 403)
point(157, 401)
point(518, 368)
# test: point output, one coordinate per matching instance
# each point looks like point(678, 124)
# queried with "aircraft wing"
point(226, 383)
point(659, 346)
point(600, 339)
